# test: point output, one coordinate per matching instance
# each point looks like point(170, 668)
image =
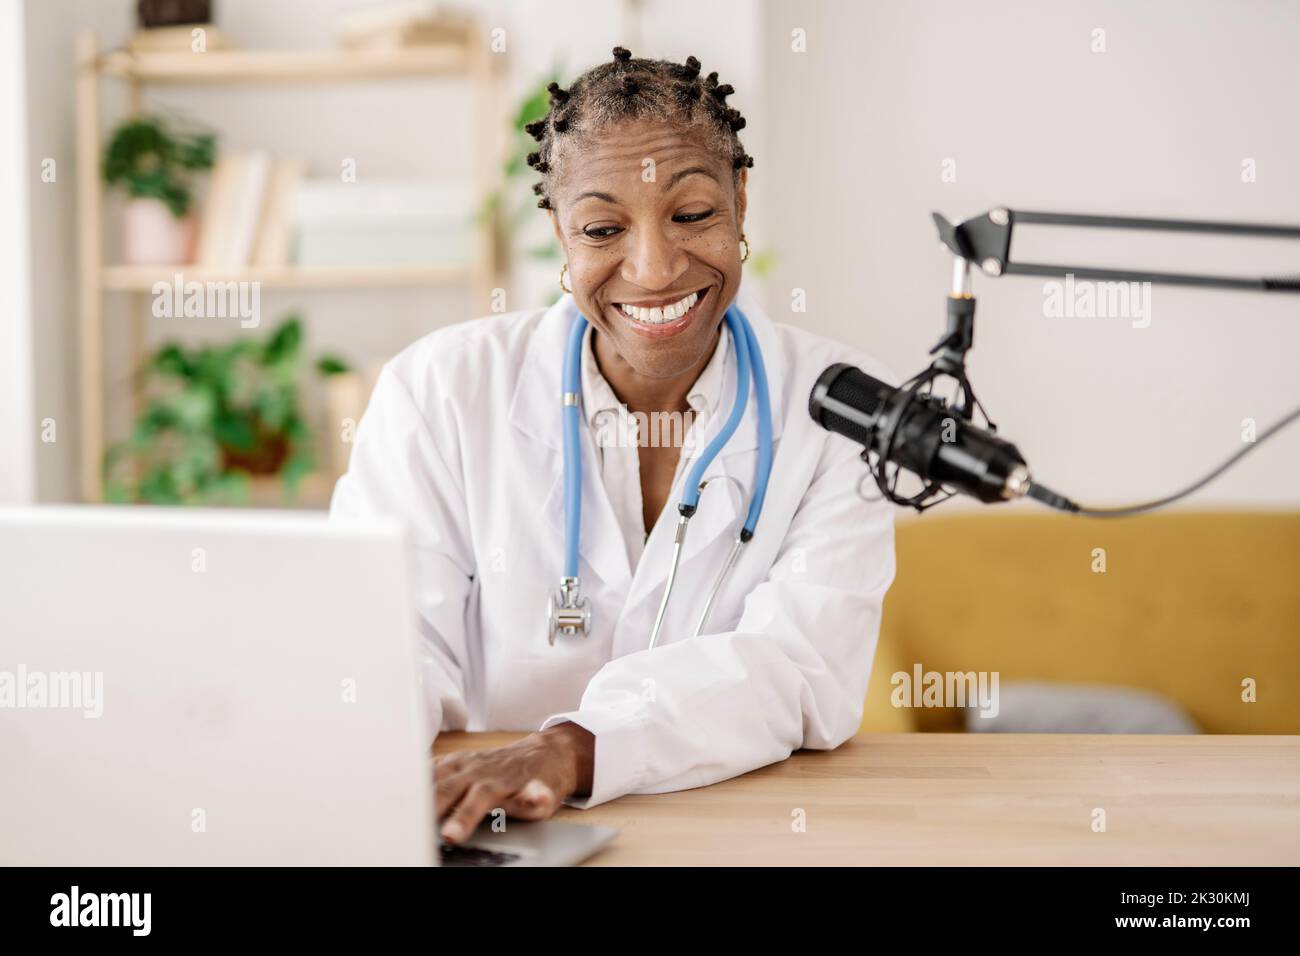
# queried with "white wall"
point(49, 36)
point(1159, 124)
point(17, 434)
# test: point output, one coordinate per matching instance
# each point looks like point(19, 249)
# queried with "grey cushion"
point(1025, 707)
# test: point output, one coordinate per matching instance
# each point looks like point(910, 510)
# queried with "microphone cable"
point(1058, 501)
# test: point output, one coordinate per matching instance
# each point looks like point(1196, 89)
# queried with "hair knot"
point(687, 94)
point(628, 88)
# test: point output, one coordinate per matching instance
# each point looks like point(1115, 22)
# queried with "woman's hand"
point(528, 779)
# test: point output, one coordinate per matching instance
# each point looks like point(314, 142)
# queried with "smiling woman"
point(484, 438)
point(644, 177)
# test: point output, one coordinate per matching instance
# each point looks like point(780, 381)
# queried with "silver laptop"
point(220, 688)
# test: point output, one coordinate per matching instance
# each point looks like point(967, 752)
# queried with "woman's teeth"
point(658, 316)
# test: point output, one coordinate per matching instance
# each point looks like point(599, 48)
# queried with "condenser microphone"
point(918, 432)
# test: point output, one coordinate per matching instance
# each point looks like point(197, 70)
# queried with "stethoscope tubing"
point(737, 324)
point(763, 468)
point(573, 446)
point(749, 365)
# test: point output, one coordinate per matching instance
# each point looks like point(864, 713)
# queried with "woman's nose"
point(653, 262)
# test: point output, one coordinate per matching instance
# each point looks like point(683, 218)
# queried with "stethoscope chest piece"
point(568, 613)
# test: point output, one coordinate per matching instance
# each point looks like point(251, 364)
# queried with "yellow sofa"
point(1190, 605)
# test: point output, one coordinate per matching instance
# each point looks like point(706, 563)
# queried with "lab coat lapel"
point(719, 511)
point(717, 515)
point(600, 539)
point(730, 482)
point(536, 411)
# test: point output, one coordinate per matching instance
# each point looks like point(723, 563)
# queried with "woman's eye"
point(689, 217)
point(601, 232)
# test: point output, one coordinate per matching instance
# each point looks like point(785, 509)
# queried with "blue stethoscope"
point(568, 612)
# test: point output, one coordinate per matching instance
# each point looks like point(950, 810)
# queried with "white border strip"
point(17, 401)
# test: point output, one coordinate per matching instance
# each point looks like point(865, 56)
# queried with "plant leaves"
point(237, 398)
point(151, 160)
point(234, 431)
point(172, 360)
point(332, 365)
point(284, 343)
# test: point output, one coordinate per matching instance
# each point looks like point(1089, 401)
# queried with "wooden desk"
point(971, 799)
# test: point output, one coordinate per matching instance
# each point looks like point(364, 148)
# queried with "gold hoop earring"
point(563, 269)
point(744, 255)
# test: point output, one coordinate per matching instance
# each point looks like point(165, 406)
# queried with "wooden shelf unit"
point(295, 66)
point(470, 61)
point(143, 278)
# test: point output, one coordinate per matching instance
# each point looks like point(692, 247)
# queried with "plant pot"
point(166, 13)
point(152, 236)
point(266, 457)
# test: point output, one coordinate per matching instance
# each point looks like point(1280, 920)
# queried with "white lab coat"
point(462, 442)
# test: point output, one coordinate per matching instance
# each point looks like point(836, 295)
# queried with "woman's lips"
point(664, 329)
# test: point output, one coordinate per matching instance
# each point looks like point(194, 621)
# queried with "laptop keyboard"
point(453, 854)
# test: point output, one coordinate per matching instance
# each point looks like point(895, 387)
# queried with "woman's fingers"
point(528, 780)
point(448, 790)
point(533, 801)
point(476, 803)
point(446, 763)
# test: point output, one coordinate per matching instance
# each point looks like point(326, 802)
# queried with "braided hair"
point(633, 88)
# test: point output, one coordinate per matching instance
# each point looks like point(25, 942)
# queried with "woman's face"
point(648, 218)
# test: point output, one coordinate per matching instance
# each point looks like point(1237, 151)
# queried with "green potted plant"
point(214, 418)
point(153, 162)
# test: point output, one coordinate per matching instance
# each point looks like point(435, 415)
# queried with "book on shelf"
point(247, 208)
point(214, 224)
point(401, 24)
point(386, 222)
point(247, 214)
point(265, 212)
point(274, 241)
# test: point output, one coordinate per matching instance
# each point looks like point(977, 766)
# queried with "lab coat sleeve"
point(398, 470)
point(792, 674)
